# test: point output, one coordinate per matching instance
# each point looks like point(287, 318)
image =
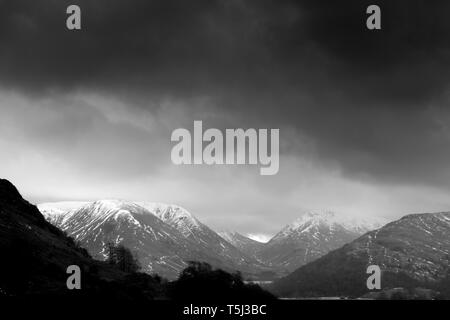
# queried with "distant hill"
point(413, 252)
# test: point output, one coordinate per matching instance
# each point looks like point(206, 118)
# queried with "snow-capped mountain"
point(249, 246)
point(164, 237)
point(203, 236)
point(412, 252)
point(311, 236)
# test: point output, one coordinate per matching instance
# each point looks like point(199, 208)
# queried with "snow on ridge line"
point(168, 213)
point(331, 219)
point(185, 221)
point(59, 208)
point(63, 206)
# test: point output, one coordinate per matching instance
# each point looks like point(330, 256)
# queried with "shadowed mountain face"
point(312, 236)
point(35, 256)
point(164, 237)
point(411, 252)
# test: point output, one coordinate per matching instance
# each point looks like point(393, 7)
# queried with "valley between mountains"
point(165, 237)
point(318, 255)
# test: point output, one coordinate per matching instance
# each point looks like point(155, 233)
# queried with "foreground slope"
point(411, 252)
point(35, 257)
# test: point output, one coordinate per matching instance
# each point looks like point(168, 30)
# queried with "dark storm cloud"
point(196, 44)
point(372, 102)
point(166, 44)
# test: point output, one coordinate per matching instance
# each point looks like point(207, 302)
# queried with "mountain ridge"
point(305, 239)
point(164, 239)
point(413, 251)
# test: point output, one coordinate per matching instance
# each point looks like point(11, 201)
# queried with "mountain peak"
point(313, 235)
point(331, 220)
point(315, 217)
point(173, 215)
point(110, 204)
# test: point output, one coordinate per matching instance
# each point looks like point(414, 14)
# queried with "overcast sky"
point(364, 116)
